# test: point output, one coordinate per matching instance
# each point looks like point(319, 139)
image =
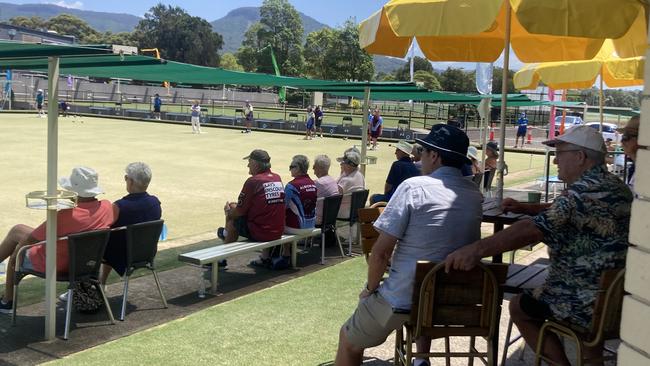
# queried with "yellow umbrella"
point(480, 30)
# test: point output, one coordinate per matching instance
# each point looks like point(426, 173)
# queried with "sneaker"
point(221, 233)
point(261, 262)
point(223, 263)
point(63, 297)
point(279, 263)
point(243, 131)
point(6, 307)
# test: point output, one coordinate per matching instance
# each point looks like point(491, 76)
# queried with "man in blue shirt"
point(402, 169)
point(522, 127)
point(428, 217)
point(157, 103)
point(39, 103)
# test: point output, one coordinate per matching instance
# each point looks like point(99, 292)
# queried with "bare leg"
point(104, 271)
point(11, 265)
point(423, 344)
point(16, 234)
point(347, 354)
point(529, 329)
point(231, 231)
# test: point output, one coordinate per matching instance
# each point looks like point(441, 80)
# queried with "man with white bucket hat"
point(585, 229)
point(89, 214)
point(402, 169)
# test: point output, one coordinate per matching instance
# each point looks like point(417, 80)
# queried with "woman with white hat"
point(472, 154)
point(89, 214)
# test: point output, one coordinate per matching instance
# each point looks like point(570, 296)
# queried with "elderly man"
point(136, 207)
point(89, 214)
point(631, 145)
point(428, 217)
point(402, 169)
point(585, 229)
point(259, 212)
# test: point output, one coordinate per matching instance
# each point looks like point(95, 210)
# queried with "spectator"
point(417, 155)
point(326, 186)
point(89, 214)
point(318, 114)
point(492, 155)
point(309, 127)
point(401, 170)
point(157, 104)
point(631, 146)
point(585, 229)
point(428, 217)
point(248, 116)
point(375, 122)
point(64, 107)
point(258, 213)
point(472, 154)
point(196, 117)
point(39, 103)
point(350, 179)
point(522, 127)
point(300, 197)
point(136, 207)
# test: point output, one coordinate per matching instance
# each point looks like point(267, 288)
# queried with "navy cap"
point(447, 140)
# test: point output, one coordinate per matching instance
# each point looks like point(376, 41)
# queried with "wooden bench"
point(211, 256)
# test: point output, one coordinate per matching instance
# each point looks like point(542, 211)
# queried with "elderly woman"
point(136, 207)
point(300, 196)
point(350, 180)
point(89, 214)
point(326, 185)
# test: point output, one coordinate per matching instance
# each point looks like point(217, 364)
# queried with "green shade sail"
point(14, 50)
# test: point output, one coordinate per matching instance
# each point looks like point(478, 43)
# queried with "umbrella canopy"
point(475, 30)
point(616, 72)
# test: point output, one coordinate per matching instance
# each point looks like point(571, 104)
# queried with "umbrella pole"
point(50, 236)
point(364, 128)
point(600, 99)
point(504, 106)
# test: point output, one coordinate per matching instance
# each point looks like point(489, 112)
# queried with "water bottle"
point(202, 286)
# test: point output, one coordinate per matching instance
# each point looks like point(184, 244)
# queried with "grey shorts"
point(372, 322)
point(27, 263)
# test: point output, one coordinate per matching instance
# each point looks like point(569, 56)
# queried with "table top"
point(493, 213)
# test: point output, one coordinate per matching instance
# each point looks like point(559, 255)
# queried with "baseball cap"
point(258, 155)
point(583, 136)
point(447, 140)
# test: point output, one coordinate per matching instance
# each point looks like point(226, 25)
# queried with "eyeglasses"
point(627, 137)
point(292, 166)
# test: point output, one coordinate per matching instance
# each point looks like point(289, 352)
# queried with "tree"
point(419, 63)
point(280, 27)
point(316, 48)
point(122, 38)
point(31, 23)
point(229, 62)
point(71, 25)
point(179, 36)
point(457, 80)
point(497, 78)
point(428, 79)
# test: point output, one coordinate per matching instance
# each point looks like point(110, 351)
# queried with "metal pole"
point(52, 159)
point(600, 100)
point(364, 128)
point(504, 101)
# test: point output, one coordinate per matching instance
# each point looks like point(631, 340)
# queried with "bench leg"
point(213, 280)
point(294, 254)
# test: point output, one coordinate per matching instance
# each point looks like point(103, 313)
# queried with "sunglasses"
point(627, 137)
point(292, 166)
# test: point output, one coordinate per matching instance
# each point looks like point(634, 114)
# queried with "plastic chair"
point(357, 200)
point(141, 247)
point(331, 207)
point(605, 321)
point(455, 304)
point(369, 235)
point(85, 252)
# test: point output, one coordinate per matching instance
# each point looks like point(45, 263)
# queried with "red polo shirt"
point(261, 201)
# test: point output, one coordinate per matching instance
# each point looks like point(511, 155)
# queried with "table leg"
point(497, 258)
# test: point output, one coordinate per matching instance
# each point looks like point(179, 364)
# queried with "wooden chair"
point(141, 248)
point(369, 235)
point(605, 322)
point(455, 304)
point(85, 252)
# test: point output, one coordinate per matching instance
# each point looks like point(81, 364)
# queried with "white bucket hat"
point(83, 181)
point(472, 152)
point(403, 146)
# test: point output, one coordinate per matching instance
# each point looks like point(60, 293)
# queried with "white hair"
point(140, 173)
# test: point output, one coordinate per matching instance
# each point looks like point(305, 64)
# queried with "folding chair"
point(357, 200)
point(605, 321)
point(455, 304)
point(331, 207)
point(85, 252)
point(141, 247)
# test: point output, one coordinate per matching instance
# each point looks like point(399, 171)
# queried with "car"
point(609, 131)
point(568, 121)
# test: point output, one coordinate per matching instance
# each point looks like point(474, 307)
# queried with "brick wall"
point(635, 325)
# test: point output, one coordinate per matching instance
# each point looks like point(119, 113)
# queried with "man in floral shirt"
point(585, 229)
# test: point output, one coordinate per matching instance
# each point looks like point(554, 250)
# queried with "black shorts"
point(39, 106)
point(319, 122)
point(534, 308)
point(241, 224)
point(156, 109)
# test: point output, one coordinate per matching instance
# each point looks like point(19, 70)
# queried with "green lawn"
point(294, 323)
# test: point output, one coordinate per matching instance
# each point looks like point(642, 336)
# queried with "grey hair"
point(139, 173)
point(301, 162)
point(323, 161)
point(598, 157)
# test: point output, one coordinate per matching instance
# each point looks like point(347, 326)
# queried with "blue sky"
point(330, 12)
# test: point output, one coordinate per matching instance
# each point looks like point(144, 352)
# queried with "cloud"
point(62, 3)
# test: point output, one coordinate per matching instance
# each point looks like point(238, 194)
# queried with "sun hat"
point(258, 155)
point(83, 181)
point(583, 136)
point(472, 152)
point(351, 157)
point(631, 127)
point(40, 90)
point(491, 145)
point(403, 146)
point(447, 140)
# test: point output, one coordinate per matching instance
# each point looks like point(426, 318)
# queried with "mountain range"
point(231, 27)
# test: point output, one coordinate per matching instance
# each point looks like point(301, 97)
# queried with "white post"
point(52, 157)
point(364, 128)
point(600, 100)
point(504, 106)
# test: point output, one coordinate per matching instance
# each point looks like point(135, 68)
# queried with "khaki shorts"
point(372, 322)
